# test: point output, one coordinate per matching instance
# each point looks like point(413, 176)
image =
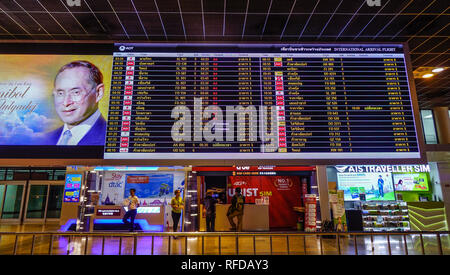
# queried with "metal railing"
point(319, 242)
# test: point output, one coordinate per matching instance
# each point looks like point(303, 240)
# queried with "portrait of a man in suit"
point(78, 89)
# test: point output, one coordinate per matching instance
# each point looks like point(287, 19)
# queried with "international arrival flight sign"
point(260, 101)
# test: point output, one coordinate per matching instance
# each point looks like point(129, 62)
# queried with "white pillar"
point(322, 183)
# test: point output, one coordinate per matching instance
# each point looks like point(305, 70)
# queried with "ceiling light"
point(437, 70)
point(427, 75)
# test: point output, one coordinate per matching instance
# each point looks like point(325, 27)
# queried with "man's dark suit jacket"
point(95, 136)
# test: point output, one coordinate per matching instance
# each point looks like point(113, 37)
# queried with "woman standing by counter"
point(177, 205)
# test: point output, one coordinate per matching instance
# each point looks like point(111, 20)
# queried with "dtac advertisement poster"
point(59, 100)
point(374, 186)
point(113, 188)
point(411, 182)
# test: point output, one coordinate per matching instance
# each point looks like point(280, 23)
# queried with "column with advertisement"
point(337, 207)
point(310, 212)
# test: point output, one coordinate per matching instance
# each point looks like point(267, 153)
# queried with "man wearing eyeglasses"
point(78, 89)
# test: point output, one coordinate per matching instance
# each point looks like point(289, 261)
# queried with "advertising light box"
point(72, 188)
point(371, 186)
point(411, 182)
point(52, 104)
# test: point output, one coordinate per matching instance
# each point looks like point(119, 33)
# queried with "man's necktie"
point(66, 136)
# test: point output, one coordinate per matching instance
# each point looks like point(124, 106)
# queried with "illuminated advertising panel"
point(53, 101)
point(411, 182)
point(372, 186)
point(72, 188)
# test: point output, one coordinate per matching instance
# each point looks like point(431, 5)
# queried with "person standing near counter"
point(210, 210)
point(177, 205)
point(236, 209)
point(133, 203)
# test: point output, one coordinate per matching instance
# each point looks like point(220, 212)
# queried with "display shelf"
point(381, 229)
point(385, 216)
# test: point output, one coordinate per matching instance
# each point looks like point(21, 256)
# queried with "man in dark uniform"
point(209, 204)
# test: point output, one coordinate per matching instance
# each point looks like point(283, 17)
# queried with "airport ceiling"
point(423, 24)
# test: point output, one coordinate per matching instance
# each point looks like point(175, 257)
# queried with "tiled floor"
point(247, 245)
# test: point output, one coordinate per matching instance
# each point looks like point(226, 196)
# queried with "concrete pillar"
point(444, 176)
point(442, 121)
point(322, 183)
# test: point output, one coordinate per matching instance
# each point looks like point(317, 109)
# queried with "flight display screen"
point(260, 101)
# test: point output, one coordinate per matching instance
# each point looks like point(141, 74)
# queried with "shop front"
point(388, 197)
point(95, 197)
point(276, 197)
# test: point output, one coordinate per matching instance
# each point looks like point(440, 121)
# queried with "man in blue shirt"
point(380, 186)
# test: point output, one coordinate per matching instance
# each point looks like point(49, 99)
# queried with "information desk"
point(150, 218)
point(256, 218)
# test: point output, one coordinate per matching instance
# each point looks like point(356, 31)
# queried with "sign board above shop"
point(213, 104)
point(383, 168)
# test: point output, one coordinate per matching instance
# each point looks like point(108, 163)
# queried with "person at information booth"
point(133, 203)
point(177, 205)
point(236, 209)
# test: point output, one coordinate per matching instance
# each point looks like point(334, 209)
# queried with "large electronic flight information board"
point(260, 101)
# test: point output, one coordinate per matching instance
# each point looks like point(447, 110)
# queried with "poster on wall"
point(282, 193)
point(411, 182)
point(150, 188)
point(72, 187)
point(336, 198)
point(113, 188)
point(54, 100)
point(372, 186)
point(310, 212)
point(250, 187)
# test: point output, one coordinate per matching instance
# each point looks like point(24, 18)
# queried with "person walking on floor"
point(236, 209)
point(177, 205)
point(133, 203)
